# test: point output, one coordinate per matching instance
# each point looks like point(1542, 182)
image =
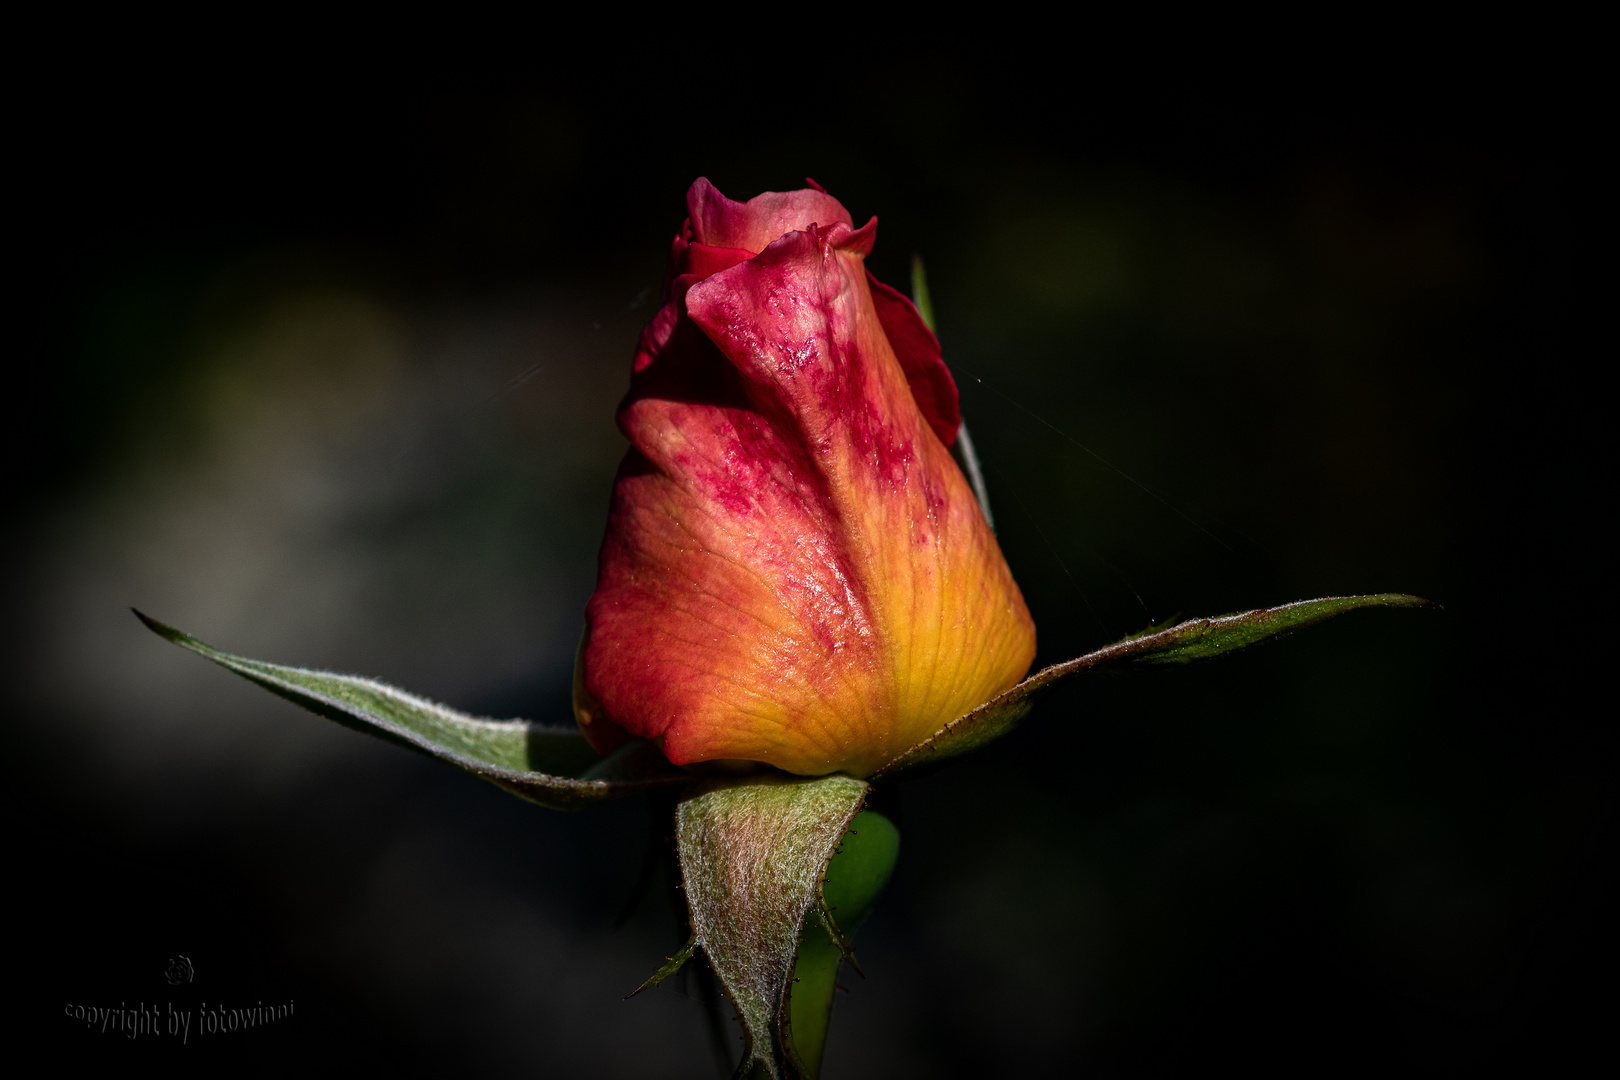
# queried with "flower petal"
point(795, 571)
point(917, 349)
point(721, 222)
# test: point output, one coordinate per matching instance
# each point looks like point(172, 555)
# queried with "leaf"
point(552, 766)
point(1195, 639)
point(753, 854)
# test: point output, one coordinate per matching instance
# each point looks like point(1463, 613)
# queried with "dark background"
point(321, 367)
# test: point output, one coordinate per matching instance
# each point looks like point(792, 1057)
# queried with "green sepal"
point(552, 766)
point(1194, 639)
point(966, 455)
point(671, 966)
point(921, 299)
point(855, 877)
point(753, 853)
point(836, 936)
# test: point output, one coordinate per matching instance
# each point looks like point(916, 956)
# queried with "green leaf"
point(552, 766)
point(753, 852)
point(1195, 639)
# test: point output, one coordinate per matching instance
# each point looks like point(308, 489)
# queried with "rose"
point(795, 571)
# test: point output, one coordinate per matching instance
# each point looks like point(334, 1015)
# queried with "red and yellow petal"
point(795, 571)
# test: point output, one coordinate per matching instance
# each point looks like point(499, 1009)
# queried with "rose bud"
point(795, 571)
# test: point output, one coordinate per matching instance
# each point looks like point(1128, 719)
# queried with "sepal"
point(552, 766)
point(1194, 639)
point(671, 966)
point(754, 852)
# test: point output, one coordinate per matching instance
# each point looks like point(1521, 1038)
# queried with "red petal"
point(722, 222)
point(917, 349)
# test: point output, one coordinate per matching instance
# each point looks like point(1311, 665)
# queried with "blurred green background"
point(322, 369)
